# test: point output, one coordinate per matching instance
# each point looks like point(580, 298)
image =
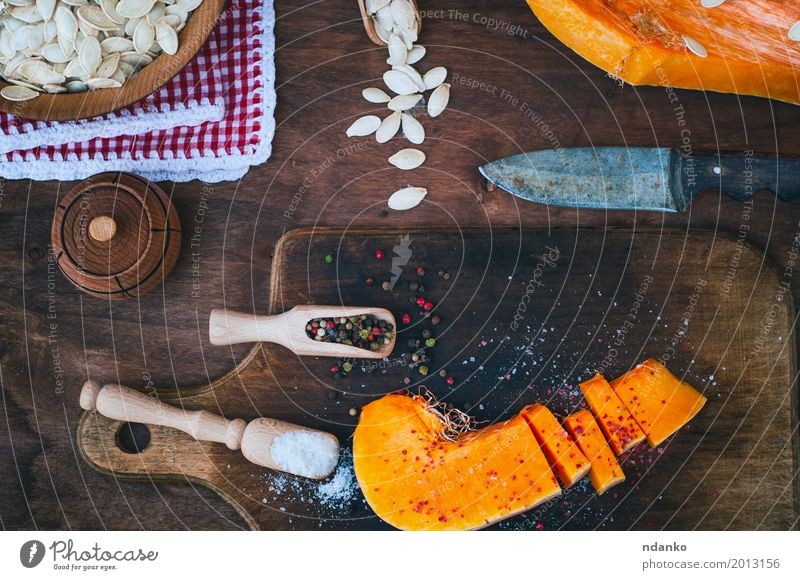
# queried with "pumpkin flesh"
point(566, 459)
point(604, 472)
point(415, 480)
point(638, 42)
point(660, 402)
point(617, 423)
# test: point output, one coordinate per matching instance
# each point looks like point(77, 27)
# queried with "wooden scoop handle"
point(226, 327)
point(125, 404)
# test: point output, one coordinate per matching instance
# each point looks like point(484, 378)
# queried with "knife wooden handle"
point(741, 174)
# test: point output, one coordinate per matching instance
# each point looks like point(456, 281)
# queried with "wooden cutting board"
point(525, 315)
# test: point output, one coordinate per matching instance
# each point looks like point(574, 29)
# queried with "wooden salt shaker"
point(116, 235)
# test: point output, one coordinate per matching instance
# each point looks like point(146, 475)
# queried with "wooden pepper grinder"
point(116, 235)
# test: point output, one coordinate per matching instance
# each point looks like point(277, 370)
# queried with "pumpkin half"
point(414, 479)
point(746, 43)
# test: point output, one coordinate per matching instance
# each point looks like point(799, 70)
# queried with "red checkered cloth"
point(211, 122)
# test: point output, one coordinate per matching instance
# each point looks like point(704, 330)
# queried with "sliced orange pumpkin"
point(660, 402)
point(564, 456)
point(414, 479)
point(619, 427)
point(604, 472)
point(662, 42)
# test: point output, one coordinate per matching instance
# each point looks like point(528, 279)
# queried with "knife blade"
point(640, 178)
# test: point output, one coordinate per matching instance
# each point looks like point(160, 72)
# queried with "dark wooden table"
point(514, 88)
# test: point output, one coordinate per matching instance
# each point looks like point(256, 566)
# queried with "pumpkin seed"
point(404, 102)
point(144, 36)
point(388, 128)
point(95, 17)
point(374, 95)
point(55, 54)
point(90, 55)
point(711, 3)
point(397, 50)
point(399, 82)
point(413, 129)
point(116, 44)
point(134, 8)
point(166, 37)
point(407, 198)
point(100, 83)
point(364, 126)
point(415, 54)
point(438, 100)
point(412, 74)
point(46, 8)
point(403, 13)
point(794, 31)
point(109, 8)
point(406, 159)
point(695, 46)
point(109, 66)
point(373, 6)
point(17, 93)
point(434, 77)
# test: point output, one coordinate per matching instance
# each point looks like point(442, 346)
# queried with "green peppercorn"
point(423, 370)
point(347, 367)
point(430, 343)
point(329, 259)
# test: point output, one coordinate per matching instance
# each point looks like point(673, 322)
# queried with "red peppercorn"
point(406, 319)
point(420, 301)
point(379, 254)
point(369, 281)
point(428, 305)
point(420, 271)
point(450, 380)
point(334, 369)
point(330, 324)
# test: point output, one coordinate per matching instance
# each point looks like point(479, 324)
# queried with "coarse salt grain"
point(305, 453)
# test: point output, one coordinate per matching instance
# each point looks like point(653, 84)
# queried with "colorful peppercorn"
point(428, 305)
point(329, 259)
point(406, 319)
point(378, 254)
point(420, 301)
point(420, 271)
point(369, 281)
point(450, 380)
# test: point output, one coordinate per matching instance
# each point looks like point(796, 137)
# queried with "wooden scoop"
point(260, 440)
point(289, 329)
point(369, 23)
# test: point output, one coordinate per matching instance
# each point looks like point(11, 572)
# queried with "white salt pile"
point(306, 453)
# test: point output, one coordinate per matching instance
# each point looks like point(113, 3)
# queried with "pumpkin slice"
point(740, 46)
point(604, 472)
point(660, 402)
point(564, 456)
point(414, 479)
point(617, 423)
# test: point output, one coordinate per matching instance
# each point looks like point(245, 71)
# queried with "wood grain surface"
point(499, 57)
point(525, 316)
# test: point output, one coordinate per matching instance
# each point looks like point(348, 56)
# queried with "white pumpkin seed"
point(415, 54)
point(434, 77)
point(90, 54)
point(388, 128)
point(374, 95)
point(134, 8)
point(404, 102)
point(144, 36)
point(399, 82)
point(364, 126)
point(166, 37)
point(54, 53)
point(413, 129)
point(407, 198)
point(109, 7)
point(794, 31)
point(373, 6)
point(695, 46)
point(46, 8)
point(403, 13)
point(18, 94)
point(76, 87)
point(54, 88)
point(383, 17)
point(711, 3)
point(397, 50)
point(109, 66)
point(95, 17)
point(407, 159)
point(116, 44)
point(438, 100)
point(411, 72)
point(99, 83)
point(156, 12)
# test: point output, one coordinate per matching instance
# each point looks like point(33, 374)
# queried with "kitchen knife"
point(640, 178)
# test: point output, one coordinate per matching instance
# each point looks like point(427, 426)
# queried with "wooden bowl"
point(74, 106)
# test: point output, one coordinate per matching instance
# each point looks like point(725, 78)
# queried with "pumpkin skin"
point(604, 472)
point(617, 423)
point(660, 402)
point(415, 480)
point(641, 43)
point(564, 456)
